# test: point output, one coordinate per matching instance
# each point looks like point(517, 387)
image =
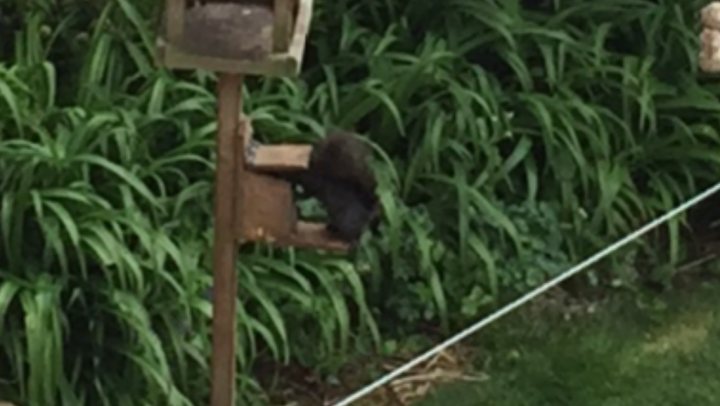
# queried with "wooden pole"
point(225, 244)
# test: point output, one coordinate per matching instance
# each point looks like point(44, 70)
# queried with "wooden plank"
point(314, 236)
point(301, 31)
point(282, 29)
point(225, 248)
point(276, 65)
point(174, 20)
point(268, 209)
point(281, 158)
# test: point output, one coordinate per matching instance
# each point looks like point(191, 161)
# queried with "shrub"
point(516, 137)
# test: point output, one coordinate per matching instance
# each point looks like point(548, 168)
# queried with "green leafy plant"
point(514, 138)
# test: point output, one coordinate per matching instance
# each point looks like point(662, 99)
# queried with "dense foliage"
point(515, 138)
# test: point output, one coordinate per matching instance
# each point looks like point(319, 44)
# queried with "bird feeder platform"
point(248, 37)
point(269, 214)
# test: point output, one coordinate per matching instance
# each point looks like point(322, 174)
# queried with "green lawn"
point(625, 354)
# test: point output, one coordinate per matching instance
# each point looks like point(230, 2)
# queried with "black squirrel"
point(339, 176)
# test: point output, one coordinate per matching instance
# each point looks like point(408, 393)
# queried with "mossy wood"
point(249, 37)
point(265, 204)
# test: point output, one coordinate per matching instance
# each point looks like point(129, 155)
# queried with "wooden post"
point(225, 244)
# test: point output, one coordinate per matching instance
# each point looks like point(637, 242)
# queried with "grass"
point(628, 353)
point(512, 143)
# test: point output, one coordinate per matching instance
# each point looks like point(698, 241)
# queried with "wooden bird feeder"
point(269, 214)
point(238, 38)
point(251, 37)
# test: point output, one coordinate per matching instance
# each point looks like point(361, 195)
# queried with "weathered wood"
point(172, 57)
point(225, 243)
point(269, 214)
point(174, 19)
point(315, 236)
point(301, 30)
point(237, 31)
point(280, 158)
point(247, 60)
point(268, 209)
point(282, 30)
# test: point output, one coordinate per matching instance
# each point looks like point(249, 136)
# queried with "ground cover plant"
point(657, 350)
point(515, 138)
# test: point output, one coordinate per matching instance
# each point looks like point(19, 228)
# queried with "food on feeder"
point(248, 37)
point(229, 30)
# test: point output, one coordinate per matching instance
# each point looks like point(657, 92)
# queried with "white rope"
point(526, 298)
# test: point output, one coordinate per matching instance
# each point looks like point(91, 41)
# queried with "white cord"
point(526, 298)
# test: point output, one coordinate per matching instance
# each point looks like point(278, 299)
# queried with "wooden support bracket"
point(268, 208)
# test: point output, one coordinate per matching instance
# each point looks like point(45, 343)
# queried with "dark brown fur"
point(340, 177)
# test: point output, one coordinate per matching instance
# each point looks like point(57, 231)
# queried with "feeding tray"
point(266, 206)
point(255, 37)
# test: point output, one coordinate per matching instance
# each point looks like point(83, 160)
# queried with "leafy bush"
point(515, 137)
